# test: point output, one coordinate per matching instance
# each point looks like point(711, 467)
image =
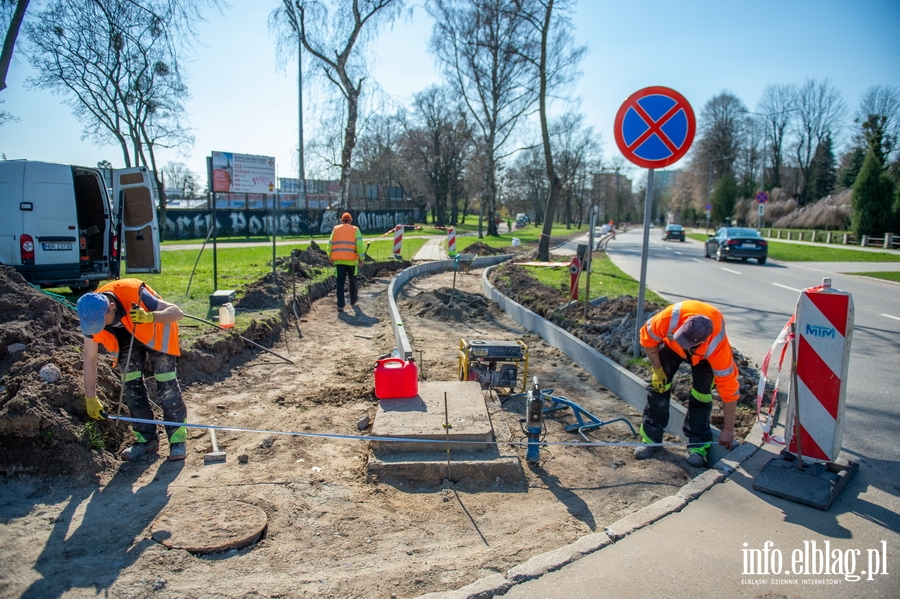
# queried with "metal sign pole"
point(648, 204)
point(215, 229)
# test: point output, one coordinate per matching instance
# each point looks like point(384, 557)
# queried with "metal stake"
point(447, 428)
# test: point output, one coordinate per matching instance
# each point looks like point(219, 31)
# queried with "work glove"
point(140, 316)
point(658, 380)
point(95, 408)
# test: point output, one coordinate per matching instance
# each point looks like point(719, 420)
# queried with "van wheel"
point(81, 289)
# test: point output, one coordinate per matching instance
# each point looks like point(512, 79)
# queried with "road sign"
point(708, 207)
point(655, 127)
point(762, 197)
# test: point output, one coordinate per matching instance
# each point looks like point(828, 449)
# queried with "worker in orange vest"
point(345, 251)
point(694, 332)
point(128, 317)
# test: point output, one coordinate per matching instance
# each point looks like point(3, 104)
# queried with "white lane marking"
point(697, 260)
point(679, 253)
point(788, 288)
point(732, 271)
point(889, 316)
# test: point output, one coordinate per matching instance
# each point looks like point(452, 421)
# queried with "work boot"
point(696, 459)
point(177, 451)
point(642, 452)
point(139, 449)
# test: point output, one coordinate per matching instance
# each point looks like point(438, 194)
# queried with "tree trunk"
point(9, 43)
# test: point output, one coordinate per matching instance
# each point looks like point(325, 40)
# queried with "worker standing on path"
point(133, 322)
point(694, 332)
point(345, 251)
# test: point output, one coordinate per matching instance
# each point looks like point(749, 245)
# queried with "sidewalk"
point(432, 250)
point(700, 550)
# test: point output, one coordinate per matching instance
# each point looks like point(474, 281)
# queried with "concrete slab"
point(430, 467)
point(423, 417)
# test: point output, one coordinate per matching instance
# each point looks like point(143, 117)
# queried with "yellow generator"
point(494, 364)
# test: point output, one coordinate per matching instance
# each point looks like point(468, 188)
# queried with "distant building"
point(663, 180)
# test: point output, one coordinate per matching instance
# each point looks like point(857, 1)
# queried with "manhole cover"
point(209, 527)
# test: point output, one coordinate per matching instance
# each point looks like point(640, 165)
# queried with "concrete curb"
point(632, 389)
point(404, 276)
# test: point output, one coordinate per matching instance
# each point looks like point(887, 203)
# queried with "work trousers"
point(344, 272)
point(168, 393)
point(696, 422)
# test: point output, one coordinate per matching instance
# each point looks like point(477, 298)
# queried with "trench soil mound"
point(610, 327)
point(42, 422)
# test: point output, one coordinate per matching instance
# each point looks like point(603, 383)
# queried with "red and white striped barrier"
point(451, 240)
point(824, 326)
point(398, 240)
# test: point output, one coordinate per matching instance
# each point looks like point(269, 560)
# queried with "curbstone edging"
point(547, 562)
point(645, 517)
point(483, 588)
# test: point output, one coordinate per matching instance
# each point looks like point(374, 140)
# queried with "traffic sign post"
point(761, 199)
point(654, 128)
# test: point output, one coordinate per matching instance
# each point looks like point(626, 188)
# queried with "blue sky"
point(242, 102)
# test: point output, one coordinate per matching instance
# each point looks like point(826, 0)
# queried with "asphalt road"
point(757, 302)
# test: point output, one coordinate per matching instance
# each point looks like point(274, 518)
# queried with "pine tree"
point(723, 198)
point(871, 199)
point(851, 162)
point(822, 176)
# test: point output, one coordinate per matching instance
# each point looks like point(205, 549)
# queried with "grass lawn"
point(887, 276)
point(795, 252)
point(606, 280)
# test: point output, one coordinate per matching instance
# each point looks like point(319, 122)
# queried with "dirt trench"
point(332, 530)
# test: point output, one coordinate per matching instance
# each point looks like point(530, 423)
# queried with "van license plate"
point(56, 246)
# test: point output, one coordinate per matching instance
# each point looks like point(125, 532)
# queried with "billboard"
point(242, 173)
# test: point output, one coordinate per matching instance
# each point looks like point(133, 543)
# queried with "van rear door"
point(135, 198)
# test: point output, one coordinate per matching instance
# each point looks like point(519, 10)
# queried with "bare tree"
point(336, 34)
point(376, 160)
point(14, 11)
point(481, 45)
point(437, 145)
point(777, 104)
point(575, 148)
point(554, 59)
point(117, 64)
point(878, 116)
point(177, 175)
point(527, 183)
point(819, 113)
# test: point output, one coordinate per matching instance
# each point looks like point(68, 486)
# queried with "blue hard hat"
point(91, 310)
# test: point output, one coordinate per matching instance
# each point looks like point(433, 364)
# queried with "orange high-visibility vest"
point(343, 244)
point(716, 350)
point(157, 336)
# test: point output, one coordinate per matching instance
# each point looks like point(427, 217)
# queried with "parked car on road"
point(673, 232)
point(737, 242)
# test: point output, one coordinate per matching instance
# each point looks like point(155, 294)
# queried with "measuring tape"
point(399, 439)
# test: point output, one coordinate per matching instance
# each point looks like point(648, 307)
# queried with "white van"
point(59, 227)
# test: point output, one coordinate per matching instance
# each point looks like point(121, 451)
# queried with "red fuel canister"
point(396, 378)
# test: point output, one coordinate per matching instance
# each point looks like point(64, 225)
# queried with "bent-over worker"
point(694, 332)
point(128, 313)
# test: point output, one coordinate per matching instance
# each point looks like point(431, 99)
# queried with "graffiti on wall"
point(195, 224)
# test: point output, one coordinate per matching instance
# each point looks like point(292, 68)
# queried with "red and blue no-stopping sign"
point(655, 127)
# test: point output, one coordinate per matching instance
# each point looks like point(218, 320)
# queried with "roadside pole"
point(648, 206)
